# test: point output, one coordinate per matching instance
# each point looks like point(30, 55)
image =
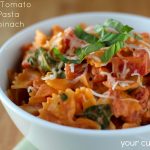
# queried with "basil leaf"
point(111, 51)
point(115, 41)
point(32, 61)
point(82, 52)
point(43, 64)
point(99, 113)
point(42, 60)
point(111, 38)
point(112, 23)
point(59, 70)
point(126, 29)
point(45, 61)
point(81, 34)
point(118, 26)
point(46, 55)
point(99, 28)
point(49, 59)
point(59, 55)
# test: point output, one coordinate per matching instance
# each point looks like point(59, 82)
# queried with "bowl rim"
point(23, 114)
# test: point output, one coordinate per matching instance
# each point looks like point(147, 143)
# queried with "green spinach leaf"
point(99, 113)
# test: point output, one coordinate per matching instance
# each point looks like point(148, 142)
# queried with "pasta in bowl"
point(34, 80)
point(94, 77)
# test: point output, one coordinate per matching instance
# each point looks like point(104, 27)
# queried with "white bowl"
point(49, 136)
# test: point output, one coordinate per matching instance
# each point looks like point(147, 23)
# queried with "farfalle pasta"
point(92, 77)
